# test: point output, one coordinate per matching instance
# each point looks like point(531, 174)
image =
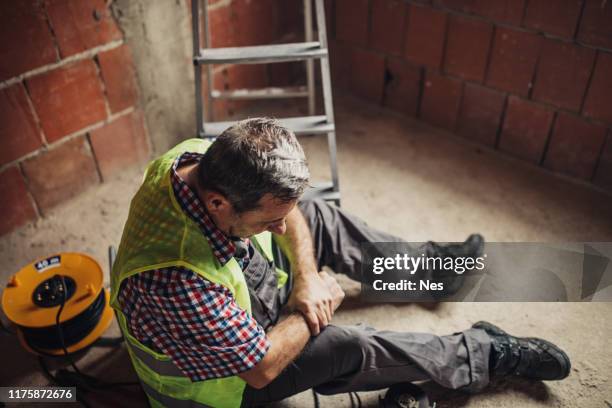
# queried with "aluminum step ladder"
point(307, 51)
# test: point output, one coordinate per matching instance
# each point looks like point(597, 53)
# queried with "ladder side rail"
point(197, 68)
point(310, 79)
point(325, 77)
point(327, 92)
point(209, 68)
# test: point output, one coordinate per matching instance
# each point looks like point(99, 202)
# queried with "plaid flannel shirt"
point(195, 322)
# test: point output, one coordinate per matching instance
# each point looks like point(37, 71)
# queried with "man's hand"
point(335, 289)
point(317, 297)
point(288, 338)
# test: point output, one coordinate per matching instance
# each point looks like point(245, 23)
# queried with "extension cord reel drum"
point(34, 296)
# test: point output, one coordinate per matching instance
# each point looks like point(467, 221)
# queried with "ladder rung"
point(259, 54)
point(305, 125)
point(323, 190)
point(262, 93)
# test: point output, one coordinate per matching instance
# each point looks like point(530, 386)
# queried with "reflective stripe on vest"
point(161, 367)
point(167, 401)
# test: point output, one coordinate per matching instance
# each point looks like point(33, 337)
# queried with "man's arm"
point(195, 322)
point(297, 245)
point(310, 295)
point(287, 340)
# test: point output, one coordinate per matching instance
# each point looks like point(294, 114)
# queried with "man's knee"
point(314, 211)
point(350, 343)
point(310, 205)
point(360, 335)
point(344, 350)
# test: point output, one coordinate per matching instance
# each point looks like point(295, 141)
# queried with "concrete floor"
point(416, 182)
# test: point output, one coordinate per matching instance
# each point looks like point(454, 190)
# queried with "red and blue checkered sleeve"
point(195, 322)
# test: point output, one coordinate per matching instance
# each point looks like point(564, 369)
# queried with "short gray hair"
point(252, 158)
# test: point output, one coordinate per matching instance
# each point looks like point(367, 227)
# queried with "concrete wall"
point(530, 78)
point(159, 34)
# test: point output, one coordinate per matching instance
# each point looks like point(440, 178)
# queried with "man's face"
point(269, 216)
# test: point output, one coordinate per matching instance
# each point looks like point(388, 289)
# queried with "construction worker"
point(198, 296)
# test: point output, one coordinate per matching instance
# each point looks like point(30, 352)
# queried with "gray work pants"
point(358, 358)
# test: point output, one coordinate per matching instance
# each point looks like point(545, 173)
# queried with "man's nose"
point(278, 228)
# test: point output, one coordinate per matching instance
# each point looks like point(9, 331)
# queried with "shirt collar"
point(223, 247)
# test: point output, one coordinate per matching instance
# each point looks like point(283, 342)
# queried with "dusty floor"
point(416, 182)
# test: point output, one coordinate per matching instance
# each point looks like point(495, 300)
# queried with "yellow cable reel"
point(68, 282)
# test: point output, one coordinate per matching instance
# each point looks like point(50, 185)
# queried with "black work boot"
point(472, 247)
point(527, 357)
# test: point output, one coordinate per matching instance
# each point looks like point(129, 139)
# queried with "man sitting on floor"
point(198, 294)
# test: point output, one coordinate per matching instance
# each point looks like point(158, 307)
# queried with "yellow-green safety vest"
point(158, 234)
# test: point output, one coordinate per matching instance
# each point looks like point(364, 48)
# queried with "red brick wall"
point(239, 23)
point(69, 115)
point(530, 78)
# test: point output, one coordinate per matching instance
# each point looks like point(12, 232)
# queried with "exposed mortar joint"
point(58, 54)
point(221, 68)
point(41, 132)
point(90, 150)
point(69, 137)
point(103, 85)
point(35, 205)
point(49, 67)
point(219, 4)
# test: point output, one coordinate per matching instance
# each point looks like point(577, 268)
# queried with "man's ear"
point(216, 203)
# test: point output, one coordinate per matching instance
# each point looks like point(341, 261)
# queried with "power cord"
point(76, 378)
point(5, 329)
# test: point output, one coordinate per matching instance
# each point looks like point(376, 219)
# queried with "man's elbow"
point(258, 377)
point(259, 383)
